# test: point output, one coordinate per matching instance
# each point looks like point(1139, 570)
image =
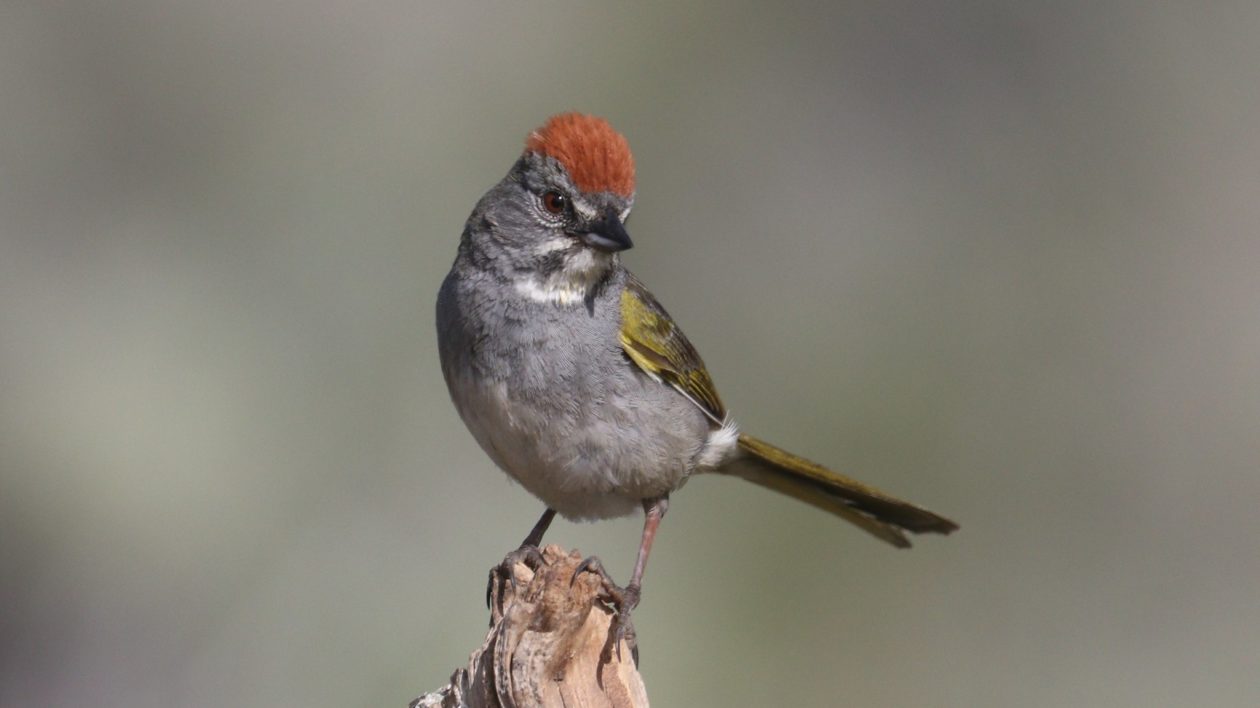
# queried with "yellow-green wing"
point(652, 340)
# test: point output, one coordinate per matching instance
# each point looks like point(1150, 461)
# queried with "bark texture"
point(549, 646)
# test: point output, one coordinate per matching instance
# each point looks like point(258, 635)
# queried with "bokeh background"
point(999, 259)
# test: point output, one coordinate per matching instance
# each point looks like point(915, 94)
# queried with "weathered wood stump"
point(549, 646)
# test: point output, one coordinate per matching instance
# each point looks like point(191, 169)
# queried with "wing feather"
point(658, 346)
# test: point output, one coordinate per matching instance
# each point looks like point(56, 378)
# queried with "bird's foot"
point(502, 575)
point(623, 600)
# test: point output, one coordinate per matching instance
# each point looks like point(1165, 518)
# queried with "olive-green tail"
point(877, 513)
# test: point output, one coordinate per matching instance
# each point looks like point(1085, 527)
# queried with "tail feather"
point(875, 512)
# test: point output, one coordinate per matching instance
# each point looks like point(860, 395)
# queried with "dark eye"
point(555, 202)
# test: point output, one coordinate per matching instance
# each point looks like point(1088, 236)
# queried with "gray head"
point(554, 225)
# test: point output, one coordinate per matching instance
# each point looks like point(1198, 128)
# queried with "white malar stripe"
point(555, 244)
point(720, 446)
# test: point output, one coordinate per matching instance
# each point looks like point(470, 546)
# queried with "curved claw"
point(610, 589)
point(624, 600)
point(623, 630)
point(529, 555)
point(622, 627)
point(589, 564)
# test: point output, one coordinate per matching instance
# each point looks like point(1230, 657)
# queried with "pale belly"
point(589, 460)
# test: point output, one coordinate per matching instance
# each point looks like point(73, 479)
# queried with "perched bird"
point(576, 381)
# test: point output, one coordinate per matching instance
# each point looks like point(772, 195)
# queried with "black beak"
point(608, 234)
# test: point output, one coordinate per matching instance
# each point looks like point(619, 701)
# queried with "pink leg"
point(627, 598)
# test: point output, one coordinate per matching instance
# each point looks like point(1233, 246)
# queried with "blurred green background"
point(999, 259)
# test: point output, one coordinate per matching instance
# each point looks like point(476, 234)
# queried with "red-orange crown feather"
point(597, 157)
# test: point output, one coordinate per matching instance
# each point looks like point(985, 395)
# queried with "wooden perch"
point(548, 646)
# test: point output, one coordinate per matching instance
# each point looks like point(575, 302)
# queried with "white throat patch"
point(582, 269)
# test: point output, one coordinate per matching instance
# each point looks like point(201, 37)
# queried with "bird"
point(578, 383)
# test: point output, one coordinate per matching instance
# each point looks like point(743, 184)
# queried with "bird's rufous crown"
point(597, 157)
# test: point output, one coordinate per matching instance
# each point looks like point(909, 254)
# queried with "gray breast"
point(551, 397)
